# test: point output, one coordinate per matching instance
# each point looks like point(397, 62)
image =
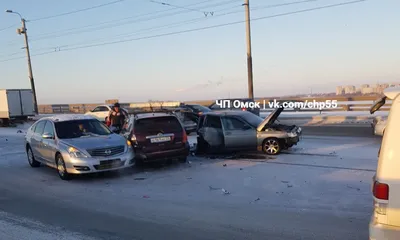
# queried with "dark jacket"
point(117, 118)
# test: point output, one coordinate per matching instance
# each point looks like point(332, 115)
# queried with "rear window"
point(164, 124)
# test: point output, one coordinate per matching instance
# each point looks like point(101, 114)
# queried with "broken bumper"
point(292, 141)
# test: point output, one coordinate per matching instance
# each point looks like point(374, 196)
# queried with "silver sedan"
point(76, 144)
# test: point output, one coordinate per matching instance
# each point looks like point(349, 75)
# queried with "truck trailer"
point(16, 104)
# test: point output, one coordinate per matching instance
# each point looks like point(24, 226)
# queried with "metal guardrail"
point(344, 104)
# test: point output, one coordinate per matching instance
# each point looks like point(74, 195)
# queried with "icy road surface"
point(320, 190)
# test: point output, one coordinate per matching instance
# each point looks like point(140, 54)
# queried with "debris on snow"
point(353, 188)
point(225, 191)
point(224, 165)
point(285, 181)
point(213, 188)
point(140, 178)
point(145, 196)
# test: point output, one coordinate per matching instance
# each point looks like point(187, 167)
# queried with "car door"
point(210, 131)
point(36, 140)
point(49, 147)
point(238, 134)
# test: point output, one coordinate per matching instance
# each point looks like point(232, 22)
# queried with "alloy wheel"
point(272, 146)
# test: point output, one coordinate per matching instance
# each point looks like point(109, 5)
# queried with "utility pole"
point(20, 31)
point(28, 54)
point(249, 56)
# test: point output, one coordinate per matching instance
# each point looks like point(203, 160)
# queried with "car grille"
point(105, 152)
point(109, 164)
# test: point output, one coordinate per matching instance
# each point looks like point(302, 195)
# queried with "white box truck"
point(16, 104)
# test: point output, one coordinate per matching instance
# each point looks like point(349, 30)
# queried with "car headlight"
point(75, 153)
point(292, 134)
point(128, 146)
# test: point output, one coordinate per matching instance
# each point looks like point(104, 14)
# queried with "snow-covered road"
point(318, 190)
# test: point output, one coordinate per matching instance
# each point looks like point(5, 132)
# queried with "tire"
point(182, 159)
point(31, 158)
point(139, 163)
point(61, 169)
point(271, 146)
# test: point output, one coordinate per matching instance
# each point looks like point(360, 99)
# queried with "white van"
point(385, 221)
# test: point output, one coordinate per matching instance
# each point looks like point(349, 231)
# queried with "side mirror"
point(377, 105)
point(48, 136)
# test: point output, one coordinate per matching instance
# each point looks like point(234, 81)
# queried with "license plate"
point(110, 161)
point(160, 139)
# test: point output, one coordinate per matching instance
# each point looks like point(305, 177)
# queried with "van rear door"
point(386, 188)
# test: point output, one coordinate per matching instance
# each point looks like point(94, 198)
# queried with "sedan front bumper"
point(98, 164)
point(292, 141)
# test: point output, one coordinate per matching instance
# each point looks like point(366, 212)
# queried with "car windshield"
point(81, 128)
point(252, 119)
point(201, 108)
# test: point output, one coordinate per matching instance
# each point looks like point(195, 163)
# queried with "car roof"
point(392, 92)
point(227, 113)
point(68, 117)
point(152, 115)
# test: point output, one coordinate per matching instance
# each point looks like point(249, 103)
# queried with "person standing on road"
point(117, 117)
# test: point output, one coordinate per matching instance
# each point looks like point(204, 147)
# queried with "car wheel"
point(31, 158)
point(271, 146)
point(61, 169)
point(183, 159)
point(139, 163)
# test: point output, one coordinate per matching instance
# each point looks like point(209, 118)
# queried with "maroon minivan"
point(157, 137)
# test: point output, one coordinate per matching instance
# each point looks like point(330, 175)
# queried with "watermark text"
point(239, 104)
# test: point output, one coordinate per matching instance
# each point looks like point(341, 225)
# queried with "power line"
point(281, 4)
point(171, 25)
point(63, 33)
point(57, 48)
point(176, 6)
point(5, 28)
point(133, 17)
point(197, 29)
point(173, 14)
point(75, 11)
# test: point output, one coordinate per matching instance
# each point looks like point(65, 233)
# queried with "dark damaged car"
point(242, 130)
point(157, 137)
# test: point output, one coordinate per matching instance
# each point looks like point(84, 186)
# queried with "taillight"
point(381, 191)
point(184, 137)
point(244, 109)
point(133, 139)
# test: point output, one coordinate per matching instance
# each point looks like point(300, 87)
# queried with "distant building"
point(339, 90)
point(384, 85)
point(350, 89)
point(364, 86)
point(367, 90)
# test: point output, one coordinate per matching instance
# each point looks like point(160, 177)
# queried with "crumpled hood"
point(270, 119)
